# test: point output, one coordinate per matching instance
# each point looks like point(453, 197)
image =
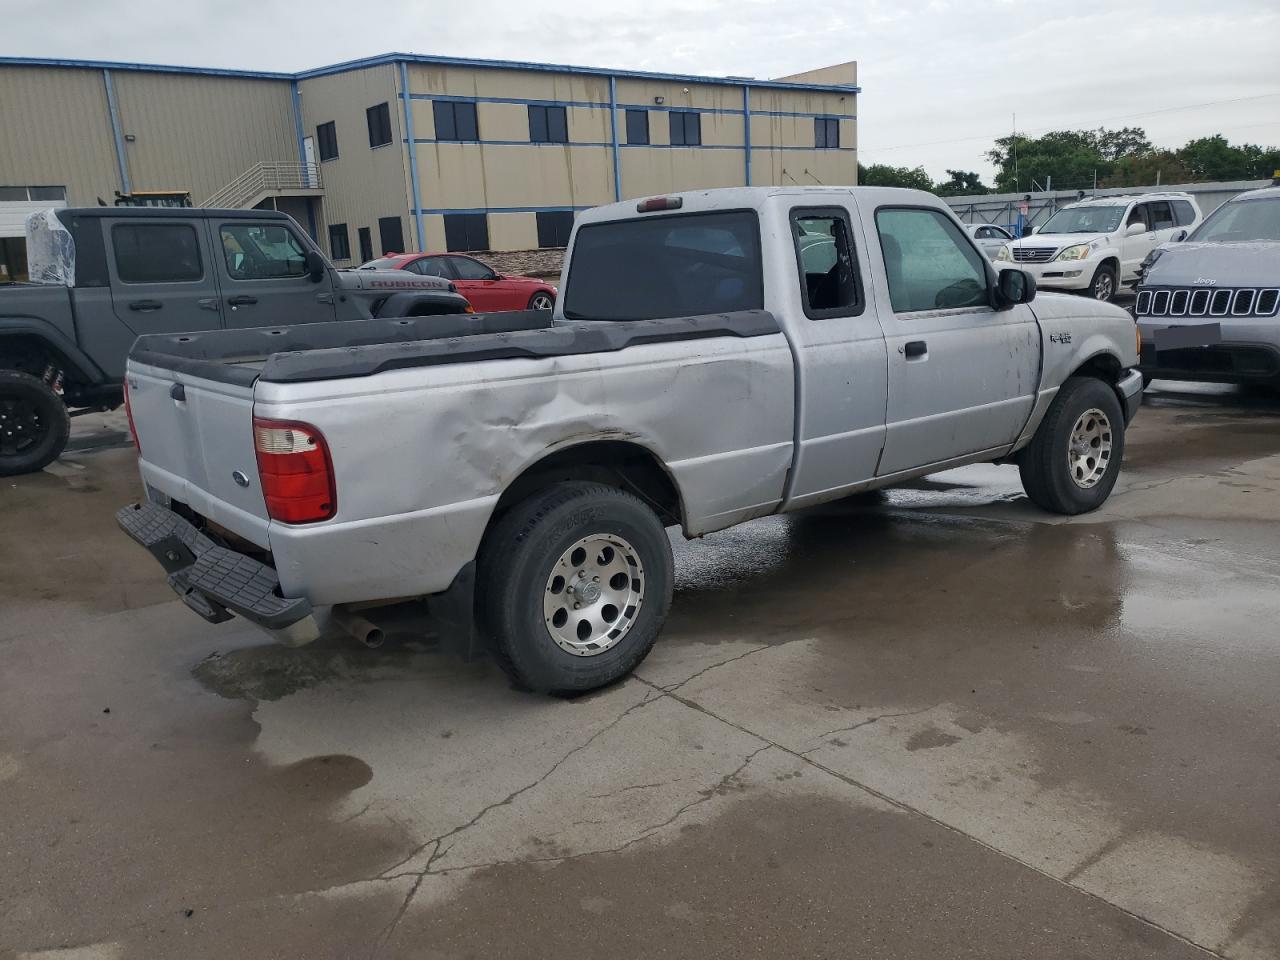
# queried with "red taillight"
point(295, 470)
point(128, 412)
point(659, 203)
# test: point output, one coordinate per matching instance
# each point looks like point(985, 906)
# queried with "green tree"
point(1144, 170)
point(1213, 158)
point(961, 183)
point(883, 175)
point(1069, 157)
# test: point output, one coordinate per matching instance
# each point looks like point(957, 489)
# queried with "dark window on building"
point(455, 121)
point(826, 133)
point(1185, 213)
point(366, 244)
point(686, 129)
point(13, 193)
point(548, 124)
point(554, 227)
point(637, 126)
point(466, 231)
point(156, 252)
point(339, 242)
point(704, 263)
point(379, 120)
point(391, 234)
point(327, 141)
point(47, 193)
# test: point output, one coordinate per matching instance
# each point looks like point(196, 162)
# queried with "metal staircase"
point(268, 178)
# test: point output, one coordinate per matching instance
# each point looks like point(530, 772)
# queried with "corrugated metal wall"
point(55, 131)
point(199, 133)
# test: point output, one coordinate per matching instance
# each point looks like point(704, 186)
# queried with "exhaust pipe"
point(360, 628)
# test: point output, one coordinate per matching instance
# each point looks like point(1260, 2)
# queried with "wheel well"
point(30, 354)
point(1112, 262)
point(1101, 366)
point(616, 463)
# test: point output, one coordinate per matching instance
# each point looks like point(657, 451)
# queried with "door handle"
point(241, 301)
point(208, 303)
point(915, 348)
point(145, 306)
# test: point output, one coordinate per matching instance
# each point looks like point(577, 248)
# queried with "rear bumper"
point(214, 581)
point(1130, 389)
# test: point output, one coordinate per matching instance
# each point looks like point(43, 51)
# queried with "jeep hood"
point(1252, 264)
point(389, 280)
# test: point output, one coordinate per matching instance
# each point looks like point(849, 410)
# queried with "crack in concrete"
point(635, 786)
point(695, 676)
point(867, 723)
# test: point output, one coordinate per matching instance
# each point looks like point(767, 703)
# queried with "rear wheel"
point(1074, 459)
point(574, 585)
point(541, 301)
point(34, 424)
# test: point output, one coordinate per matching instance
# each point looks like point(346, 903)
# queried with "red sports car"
point(487, 290)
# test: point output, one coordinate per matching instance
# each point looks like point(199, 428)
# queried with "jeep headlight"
point(1079, 252)
point(1005, 253)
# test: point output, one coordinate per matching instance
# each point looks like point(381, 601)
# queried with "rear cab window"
point(684, 265)
point(829, 281)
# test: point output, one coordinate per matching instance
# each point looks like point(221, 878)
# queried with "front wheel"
point(34, 424)
point(541, 301)
point(574, 585)
point(1103, 285)
point(1074, 458)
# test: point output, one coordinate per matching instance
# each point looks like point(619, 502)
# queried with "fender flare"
point(57, 342)
point(403, 303)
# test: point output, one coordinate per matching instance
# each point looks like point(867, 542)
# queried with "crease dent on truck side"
point(714, 357)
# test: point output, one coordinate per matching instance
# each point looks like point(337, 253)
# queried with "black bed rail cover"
point(360, 348)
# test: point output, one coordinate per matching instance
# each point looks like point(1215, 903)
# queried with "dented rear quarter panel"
point(422, 455)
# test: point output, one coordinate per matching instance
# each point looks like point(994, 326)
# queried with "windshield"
point(676, 266)
point(1084, 220)
point(1241, 221)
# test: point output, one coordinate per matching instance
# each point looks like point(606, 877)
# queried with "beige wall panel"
point(199, 133)
point(798, 101)
point(55, 130)
point(805, 168)
point(513, 231)
point(720, 129)
point(363, 184)
point(433, 227)
point(516, 84)
point(839, 74)
point(588, 125)
point(424, 119)
point(503, 121)
point(466, 176)
point(706, 96)
point(654, 172)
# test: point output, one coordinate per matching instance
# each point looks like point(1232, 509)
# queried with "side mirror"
point(1028, 230)
point(315, 266)
point(1134, 229)
point(1179, 236)
point(1015, 286)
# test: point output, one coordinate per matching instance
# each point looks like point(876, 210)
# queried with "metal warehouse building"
point(405, 152)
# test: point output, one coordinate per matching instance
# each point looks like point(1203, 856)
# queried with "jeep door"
point(263, 275)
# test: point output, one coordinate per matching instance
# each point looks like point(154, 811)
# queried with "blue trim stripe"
point(407, 104)
point(451, 98)
point(113, 111)
point(613, 134)
point(522, 143)
point(746, 131)
point(392, 58)
point(297, 120)
point(593, 105)
point(633, 146)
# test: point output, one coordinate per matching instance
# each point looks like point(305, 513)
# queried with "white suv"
point(1097, 245)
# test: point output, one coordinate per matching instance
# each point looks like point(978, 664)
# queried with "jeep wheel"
point(1073, 460)
point(574, 585)
point(1103, 285)
point(34, 424)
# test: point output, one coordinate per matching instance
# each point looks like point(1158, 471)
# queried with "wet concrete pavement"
point(932, 724)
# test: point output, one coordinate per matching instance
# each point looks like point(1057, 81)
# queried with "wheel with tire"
point(34, 424)
point(574, 584)
point(541, 301)
point(1074, 458)
point(1103, 285)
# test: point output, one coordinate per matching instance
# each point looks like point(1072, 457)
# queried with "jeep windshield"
point(1084, 220)
point(1241, 221)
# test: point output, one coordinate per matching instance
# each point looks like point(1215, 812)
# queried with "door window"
point(1139, 215)
point(930, 264)
point(430, 267)
point(1184, 212)
point(156, 252)
point(262, 251)
point(1161, 215)
point(829, 280)
point(468, 269)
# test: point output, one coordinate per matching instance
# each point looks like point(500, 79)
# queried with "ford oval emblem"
point(239, 477)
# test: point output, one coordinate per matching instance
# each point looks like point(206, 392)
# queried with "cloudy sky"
point(940, 79)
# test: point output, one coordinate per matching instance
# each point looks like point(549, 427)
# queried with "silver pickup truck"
point(714, 356)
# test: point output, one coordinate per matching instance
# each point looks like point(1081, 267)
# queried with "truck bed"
point(339, 349)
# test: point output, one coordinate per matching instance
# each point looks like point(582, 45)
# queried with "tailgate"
point(195, 439)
